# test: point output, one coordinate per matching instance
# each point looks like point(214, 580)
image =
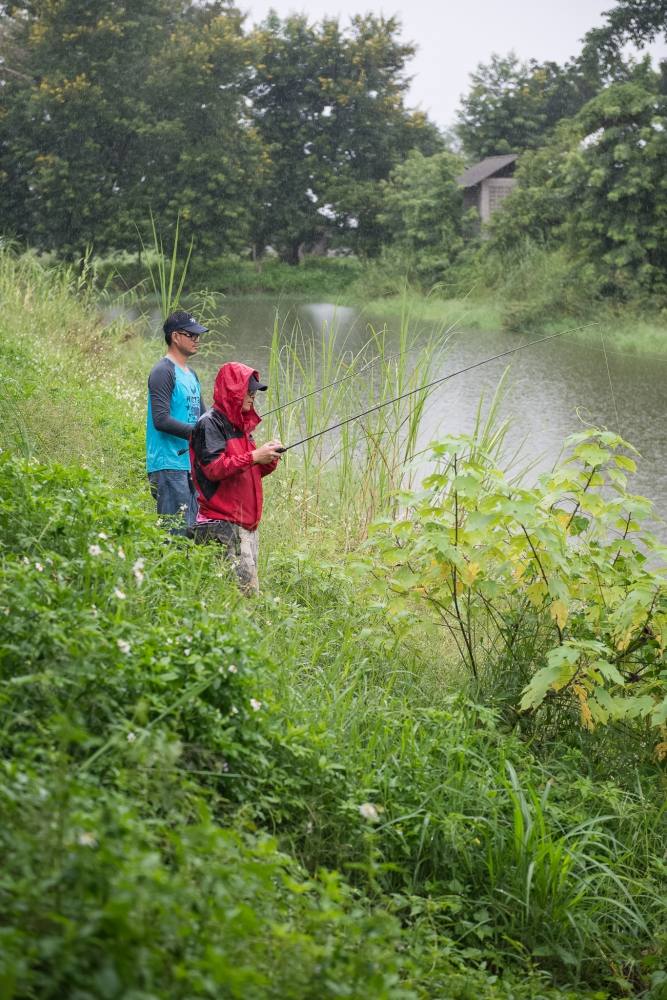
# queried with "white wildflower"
point(94, 550)
point(232, 668)
point(118, 593)
point(186, 652)
point(255, 705)
point(370, 812)
point(39, 567)
point(123, 645)
point(86, 839)
point(121, 552)
point(138, 570)
point(131, 737)
point(102, 536)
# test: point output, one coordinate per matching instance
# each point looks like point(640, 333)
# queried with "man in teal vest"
point(174, 407)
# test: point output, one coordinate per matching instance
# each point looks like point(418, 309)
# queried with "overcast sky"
point(452, 38)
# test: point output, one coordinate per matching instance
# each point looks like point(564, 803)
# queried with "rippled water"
point(553, 389)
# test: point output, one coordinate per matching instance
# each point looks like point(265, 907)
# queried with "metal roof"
point(485, 168)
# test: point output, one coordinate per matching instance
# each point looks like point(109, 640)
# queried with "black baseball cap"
point(182, 320)
point(255, 385)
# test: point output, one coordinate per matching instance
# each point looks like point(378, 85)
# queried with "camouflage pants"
point(240, 546)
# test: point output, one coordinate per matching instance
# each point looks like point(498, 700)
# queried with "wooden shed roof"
point(485, 168)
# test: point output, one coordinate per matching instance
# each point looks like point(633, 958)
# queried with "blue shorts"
point(174, 493)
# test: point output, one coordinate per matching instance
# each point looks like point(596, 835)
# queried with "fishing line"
point(374, 361)
point(611, 385)
point(329, 385)
point(430, 385)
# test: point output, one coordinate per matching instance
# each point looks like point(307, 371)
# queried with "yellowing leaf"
point(518, 570)
point(536, 593)
point(586, 717)
point(559, 612)
point(624, 639)
point(470, 573)
point(623, 462)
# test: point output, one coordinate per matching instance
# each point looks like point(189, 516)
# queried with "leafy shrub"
point(551, 584)
point(100, 902)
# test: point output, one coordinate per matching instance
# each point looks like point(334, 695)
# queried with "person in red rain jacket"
point(228, 468)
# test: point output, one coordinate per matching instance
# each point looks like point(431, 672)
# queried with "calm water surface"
point(553, 389)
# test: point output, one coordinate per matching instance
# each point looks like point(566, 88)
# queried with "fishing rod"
point(329, 385)
point(430, 385)
point(321, 388)
point(374, 361)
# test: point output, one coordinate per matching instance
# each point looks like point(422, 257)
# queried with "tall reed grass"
point(325, 380)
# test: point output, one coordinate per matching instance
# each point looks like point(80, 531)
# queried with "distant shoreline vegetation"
point(527, 301)
point(209, 147)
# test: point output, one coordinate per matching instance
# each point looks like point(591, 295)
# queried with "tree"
point(615, 183)
point(421, 213)
point(599, 189)
point(513, 105)
point(74, 130)
point(329, 108)
point(113, 108)
point(209, 165)
point(639, 22)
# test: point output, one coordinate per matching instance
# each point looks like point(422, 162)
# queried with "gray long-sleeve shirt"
point(161, 384)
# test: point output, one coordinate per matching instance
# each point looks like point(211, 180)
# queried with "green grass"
point(163, 838)
point(464, 313)
point(315, 278)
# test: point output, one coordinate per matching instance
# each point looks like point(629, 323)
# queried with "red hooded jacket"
point(228, 482)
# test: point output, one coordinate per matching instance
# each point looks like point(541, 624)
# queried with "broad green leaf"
point(609, 671)
point(591, 454)
point(659, 715)
point(623, 462)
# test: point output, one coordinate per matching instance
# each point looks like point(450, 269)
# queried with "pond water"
point(552, 390)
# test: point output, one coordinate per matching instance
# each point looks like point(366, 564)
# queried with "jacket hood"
point(229, 389)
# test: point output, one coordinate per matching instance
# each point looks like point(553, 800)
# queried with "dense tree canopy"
point(639, 22)
point(297, 134)
point(599, 188)
point(113, 110)
point(422, 213)
point(514, 105)
point(329, 107)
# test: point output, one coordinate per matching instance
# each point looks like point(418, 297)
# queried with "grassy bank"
point(287, 797)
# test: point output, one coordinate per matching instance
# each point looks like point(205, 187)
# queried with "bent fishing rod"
point(430, 385)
